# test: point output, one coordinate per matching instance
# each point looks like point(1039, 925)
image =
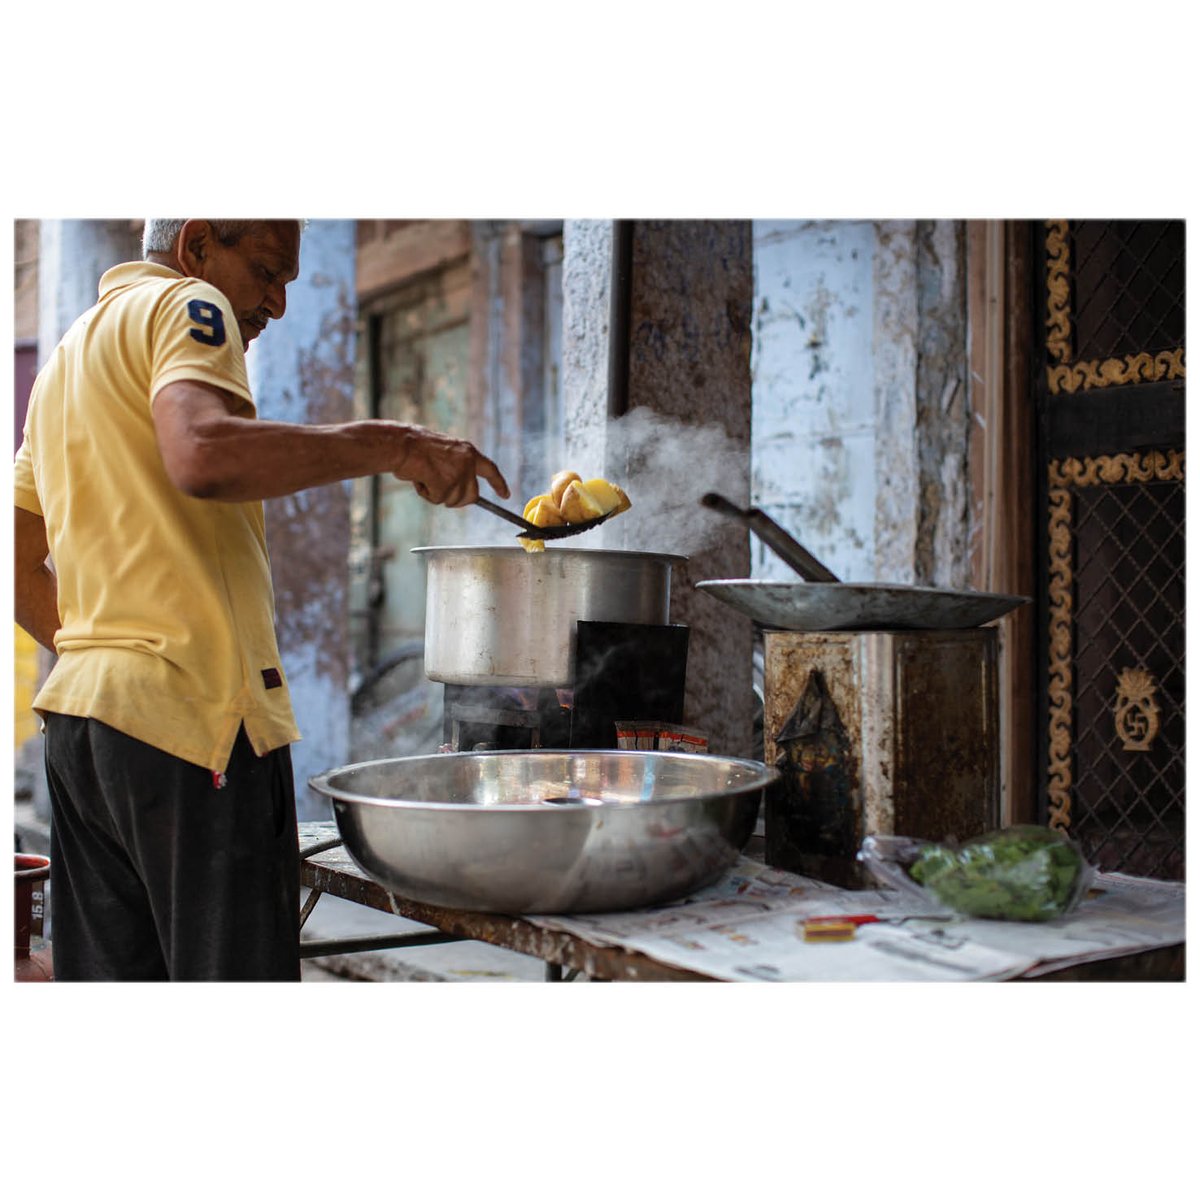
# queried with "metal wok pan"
point(822, 602)
point(810, 607)
point(535, 831)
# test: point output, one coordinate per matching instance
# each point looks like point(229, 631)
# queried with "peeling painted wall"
point(860, 406)
point(814, 391)
point(302, 370)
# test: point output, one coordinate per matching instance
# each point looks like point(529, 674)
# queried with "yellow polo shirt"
point(166, 602)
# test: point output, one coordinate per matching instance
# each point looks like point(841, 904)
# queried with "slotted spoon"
point(542, 533)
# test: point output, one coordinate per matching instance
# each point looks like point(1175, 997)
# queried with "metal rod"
point(320, 947)
point(309, 905)
point(620, 303)
point(320, 847)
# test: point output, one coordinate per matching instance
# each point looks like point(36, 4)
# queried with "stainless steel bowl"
point(546, 831)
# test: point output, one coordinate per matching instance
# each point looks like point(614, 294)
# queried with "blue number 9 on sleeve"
point(210, 320)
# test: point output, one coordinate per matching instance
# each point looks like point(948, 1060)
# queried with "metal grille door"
point(1111, 420)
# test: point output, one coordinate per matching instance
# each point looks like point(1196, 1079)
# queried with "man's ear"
point(194, 247)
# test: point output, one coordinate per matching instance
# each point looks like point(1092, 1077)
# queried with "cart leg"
point(309, 905)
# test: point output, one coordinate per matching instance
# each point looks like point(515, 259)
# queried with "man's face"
point(253, 273)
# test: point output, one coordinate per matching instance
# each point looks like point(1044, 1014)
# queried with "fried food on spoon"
point(532, 503)
point(608, 496)
point(559, 484)
point(579, 505)
point(570, 501)
point(542, 511)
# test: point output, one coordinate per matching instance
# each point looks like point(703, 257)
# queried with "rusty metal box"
point(890, 732)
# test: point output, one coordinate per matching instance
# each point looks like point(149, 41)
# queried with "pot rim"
point(30, 867)
point(570, 551)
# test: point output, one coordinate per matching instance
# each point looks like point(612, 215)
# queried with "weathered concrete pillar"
point(944, 416)
point(895, 345)
point(72, 255)
point(687, 430)
point(302, 370)
point(587, 287)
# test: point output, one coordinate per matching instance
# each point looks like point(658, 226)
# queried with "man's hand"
point(446, 470)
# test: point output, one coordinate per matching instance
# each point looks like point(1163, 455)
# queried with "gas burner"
point(622, 672)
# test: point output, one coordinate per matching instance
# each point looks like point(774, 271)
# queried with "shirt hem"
point(212, 759)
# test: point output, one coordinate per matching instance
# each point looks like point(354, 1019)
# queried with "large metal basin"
point(497, 616)
point(546, 831)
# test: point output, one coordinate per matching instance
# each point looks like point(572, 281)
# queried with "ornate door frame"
point(1110, 425)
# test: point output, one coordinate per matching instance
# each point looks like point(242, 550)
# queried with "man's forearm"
point(233, 459)
point(212, 452)
point(35, 588)
point(36, 606)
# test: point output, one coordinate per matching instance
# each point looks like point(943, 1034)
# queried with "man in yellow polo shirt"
point(167, 718)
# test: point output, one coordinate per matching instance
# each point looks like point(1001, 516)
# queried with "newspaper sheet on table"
point(749, 926)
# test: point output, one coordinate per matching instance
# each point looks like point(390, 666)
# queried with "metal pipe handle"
point(809, 568)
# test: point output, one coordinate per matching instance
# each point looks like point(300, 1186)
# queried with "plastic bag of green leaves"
point(1023, 873)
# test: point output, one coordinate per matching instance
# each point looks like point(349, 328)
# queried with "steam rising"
point(665, 465)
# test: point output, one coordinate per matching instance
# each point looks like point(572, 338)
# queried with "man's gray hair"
point(160, 234)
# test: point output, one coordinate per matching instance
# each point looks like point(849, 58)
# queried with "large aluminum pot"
point(546, 831)
point(498, 616)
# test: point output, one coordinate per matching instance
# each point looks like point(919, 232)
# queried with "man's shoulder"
point(145, 281)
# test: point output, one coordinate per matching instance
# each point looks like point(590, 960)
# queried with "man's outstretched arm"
point(212, 453)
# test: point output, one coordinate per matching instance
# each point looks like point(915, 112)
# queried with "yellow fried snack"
point(559, 484)
point(542, 512)
point(579, 505)
point(533, 503)
point(570, 501)
point(610, 498)
point(545, 512)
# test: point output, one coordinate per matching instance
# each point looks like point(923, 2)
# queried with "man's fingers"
point(451, 472)
point(489, 471)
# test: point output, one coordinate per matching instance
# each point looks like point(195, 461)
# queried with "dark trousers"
point(157, 874)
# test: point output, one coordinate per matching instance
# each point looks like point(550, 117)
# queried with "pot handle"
point(810, 569)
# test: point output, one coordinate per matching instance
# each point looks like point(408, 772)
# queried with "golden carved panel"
point(1065, 476)
point(1058, 287)
point(1135, 714)
point(1066, 375)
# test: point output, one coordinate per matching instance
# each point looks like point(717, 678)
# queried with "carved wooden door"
point(1110, 390)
